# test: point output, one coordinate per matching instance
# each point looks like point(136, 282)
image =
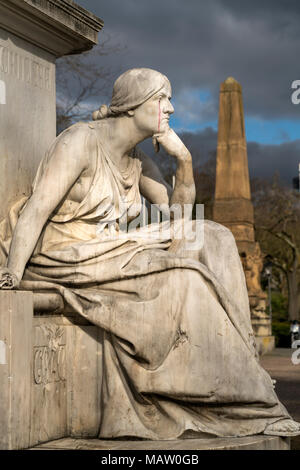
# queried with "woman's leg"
point(217, 250)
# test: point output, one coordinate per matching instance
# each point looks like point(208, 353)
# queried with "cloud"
point(263, 160)
point(198, 44)
point(193, 108)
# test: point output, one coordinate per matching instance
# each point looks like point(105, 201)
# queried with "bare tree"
point(205, 179)
point(81, 79)
point(277, 222)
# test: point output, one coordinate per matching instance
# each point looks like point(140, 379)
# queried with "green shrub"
point(279, 307)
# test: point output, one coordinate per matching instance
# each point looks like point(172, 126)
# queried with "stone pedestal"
point(50, 383)
point(33, 33)
point(265, 344)
point(16, 317)
point(50, 374)
point(49, 364)
point(258, 442)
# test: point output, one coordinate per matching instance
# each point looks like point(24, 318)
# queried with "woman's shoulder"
point(76, 137)
point(78, 129)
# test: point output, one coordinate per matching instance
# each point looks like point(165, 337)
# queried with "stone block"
point(66, 379)
point(84, 381)
point(16, 312)
point(60, 27)
point(27, 117)
point(265, 344)
point(261, 327)
point(258, 442)
point(50, 375)
point(48, 380)
point(33, 33)
point(233, 211)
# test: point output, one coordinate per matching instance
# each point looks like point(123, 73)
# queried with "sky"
point(198, 44)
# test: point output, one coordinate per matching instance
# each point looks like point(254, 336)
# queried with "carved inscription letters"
point(49, 359)
point(24, 68)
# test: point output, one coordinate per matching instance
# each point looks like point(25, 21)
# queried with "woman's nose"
point(168, 108)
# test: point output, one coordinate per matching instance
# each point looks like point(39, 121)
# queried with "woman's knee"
point(220, 234)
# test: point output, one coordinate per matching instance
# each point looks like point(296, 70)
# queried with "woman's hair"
point(132, 89)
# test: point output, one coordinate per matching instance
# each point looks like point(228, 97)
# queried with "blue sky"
point(195, 107)
point(276, 131)
point(263, 131)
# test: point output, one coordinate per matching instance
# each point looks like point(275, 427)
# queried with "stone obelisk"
point(233, 207)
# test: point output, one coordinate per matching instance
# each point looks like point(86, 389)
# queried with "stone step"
point(258, 442)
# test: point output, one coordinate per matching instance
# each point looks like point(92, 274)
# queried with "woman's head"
point(132, 89)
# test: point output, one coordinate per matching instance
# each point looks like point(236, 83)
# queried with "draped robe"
point(179, 355)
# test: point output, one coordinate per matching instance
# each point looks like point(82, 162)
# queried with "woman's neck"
point(123, 136)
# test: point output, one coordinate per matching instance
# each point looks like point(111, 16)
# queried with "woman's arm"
point(66, 163)
point(152, 185)
point(184, 191)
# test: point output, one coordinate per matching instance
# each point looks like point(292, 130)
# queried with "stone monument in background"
point(33, 34)
point(232, 205)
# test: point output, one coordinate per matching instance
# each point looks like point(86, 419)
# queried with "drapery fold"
point(178, 355)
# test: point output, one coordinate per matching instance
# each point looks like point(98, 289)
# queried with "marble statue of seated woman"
point(179, 357)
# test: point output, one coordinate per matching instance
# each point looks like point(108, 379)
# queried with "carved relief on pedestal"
point(15, 63)
point(49, 359)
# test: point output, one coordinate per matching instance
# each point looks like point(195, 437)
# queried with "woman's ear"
point(130, 112)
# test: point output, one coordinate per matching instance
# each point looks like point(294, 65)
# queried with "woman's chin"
point(164, 127)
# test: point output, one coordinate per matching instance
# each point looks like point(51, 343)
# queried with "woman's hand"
point(184, 190)
point(172, 144)
point(8, 279)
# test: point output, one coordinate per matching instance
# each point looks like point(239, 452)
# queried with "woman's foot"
point(284, 427)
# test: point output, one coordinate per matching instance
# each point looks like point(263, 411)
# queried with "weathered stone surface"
point(59, 27)
point(32, 34)
point(232, 206)
point(16, 310)
point(232, 161)
point(48, 383)
point(238, 443)
point(66, 379)
point(84, 380)
point(50, 375)
point(232, 203)
point(235, 211)
point(174, 318)
point(265, 343)
point(27, 117)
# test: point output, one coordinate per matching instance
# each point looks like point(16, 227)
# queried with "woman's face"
point(152, 117)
